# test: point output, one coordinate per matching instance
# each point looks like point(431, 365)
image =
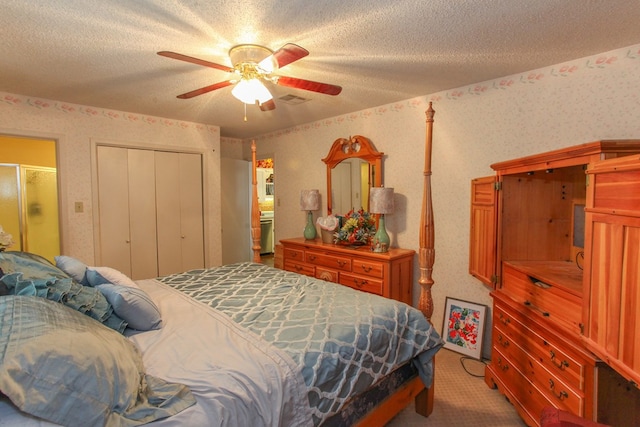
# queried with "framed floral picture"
point(463, 327)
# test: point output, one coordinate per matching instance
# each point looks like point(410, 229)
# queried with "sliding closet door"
point(179, 212)
point(142, 214)
point(113, 208)
point(191, 211)
point(127, 212)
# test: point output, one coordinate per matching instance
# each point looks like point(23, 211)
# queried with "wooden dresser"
point(388, 274)
point(535, 226)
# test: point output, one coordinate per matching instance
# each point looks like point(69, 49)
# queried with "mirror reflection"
point(350, 183)
point(353, 167)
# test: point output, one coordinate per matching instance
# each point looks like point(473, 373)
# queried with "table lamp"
point(381, 202)
point(310, 201)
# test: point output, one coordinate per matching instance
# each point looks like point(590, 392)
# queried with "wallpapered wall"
point(579, 101)
point(75, 127)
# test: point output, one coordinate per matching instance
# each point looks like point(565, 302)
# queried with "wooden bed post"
point(255, 208)
point(426, 254)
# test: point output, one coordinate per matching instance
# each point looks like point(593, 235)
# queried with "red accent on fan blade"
point(206, 89)
point(325, 88)
point(289, 53)
point(268, 106)
point(197, 61)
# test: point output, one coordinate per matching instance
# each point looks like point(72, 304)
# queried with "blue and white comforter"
point(343, 340)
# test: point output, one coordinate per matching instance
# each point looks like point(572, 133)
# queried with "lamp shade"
point(309, 200)
point(250, 91)
point(381, 200)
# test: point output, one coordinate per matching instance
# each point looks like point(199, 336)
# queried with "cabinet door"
point(612, 264)
point(482, 246)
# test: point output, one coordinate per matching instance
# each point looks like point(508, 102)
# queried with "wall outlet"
point(78, 207)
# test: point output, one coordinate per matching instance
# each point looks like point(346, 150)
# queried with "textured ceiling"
point(103, 53)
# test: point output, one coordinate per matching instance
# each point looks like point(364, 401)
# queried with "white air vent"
point(293, 99)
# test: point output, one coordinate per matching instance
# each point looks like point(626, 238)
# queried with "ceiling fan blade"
point(206, 89)
point(325, 88)
point(197, 61)
point(289, 53)
point(268, 106)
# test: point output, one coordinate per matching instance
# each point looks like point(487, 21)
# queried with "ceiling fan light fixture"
point(251, 90)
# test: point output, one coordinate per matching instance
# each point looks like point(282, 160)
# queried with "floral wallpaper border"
point(566, 70)
point(94, 112)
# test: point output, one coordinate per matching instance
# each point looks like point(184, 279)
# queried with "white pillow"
point(111, 275)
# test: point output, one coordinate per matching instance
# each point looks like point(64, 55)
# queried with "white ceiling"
point(102, 53)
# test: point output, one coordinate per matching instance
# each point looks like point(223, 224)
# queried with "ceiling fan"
point(253, 64)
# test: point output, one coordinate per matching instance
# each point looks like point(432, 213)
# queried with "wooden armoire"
point(556, 237)
point(149, 211)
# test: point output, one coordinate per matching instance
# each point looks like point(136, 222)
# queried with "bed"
point(240, 344)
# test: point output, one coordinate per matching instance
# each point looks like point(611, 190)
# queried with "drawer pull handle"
point(359, 283)
point(562, 395)
point(293, 254)
point(539, 284)
point(365, 268)
point(561, 365)
point(505, 320)
point(312, 257)
point(341, 263)
point(504, 343)
point(544, 313)
point(298, 267)
point(501, 366)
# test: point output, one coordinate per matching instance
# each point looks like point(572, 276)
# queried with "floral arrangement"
point(6, 239)
point(358, 228)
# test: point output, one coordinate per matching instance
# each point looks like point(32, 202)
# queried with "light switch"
point(79, 207)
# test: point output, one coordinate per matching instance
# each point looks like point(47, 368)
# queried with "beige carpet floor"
point(461, 398)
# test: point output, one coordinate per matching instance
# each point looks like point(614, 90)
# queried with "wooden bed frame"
point(413, 389)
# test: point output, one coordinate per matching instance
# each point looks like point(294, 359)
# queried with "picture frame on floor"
point(463, 327)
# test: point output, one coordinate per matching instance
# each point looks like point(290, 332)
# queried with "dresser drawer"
point(300, 268)
point(292, 254)
point(550, 301)
point(372, 269)
point(327, 274)
point(552, 386)
point(528, 397)
point(572, 369)
point(326, 260)
point(362, 283)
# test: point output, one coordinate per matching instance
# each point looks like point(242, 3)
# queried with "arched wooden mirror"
point(353, 167)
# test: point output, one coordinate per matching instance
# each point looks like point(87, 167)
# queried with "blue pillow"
point(68, 292)
point(132, 305)
point(31, 266)
point(74, 268)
